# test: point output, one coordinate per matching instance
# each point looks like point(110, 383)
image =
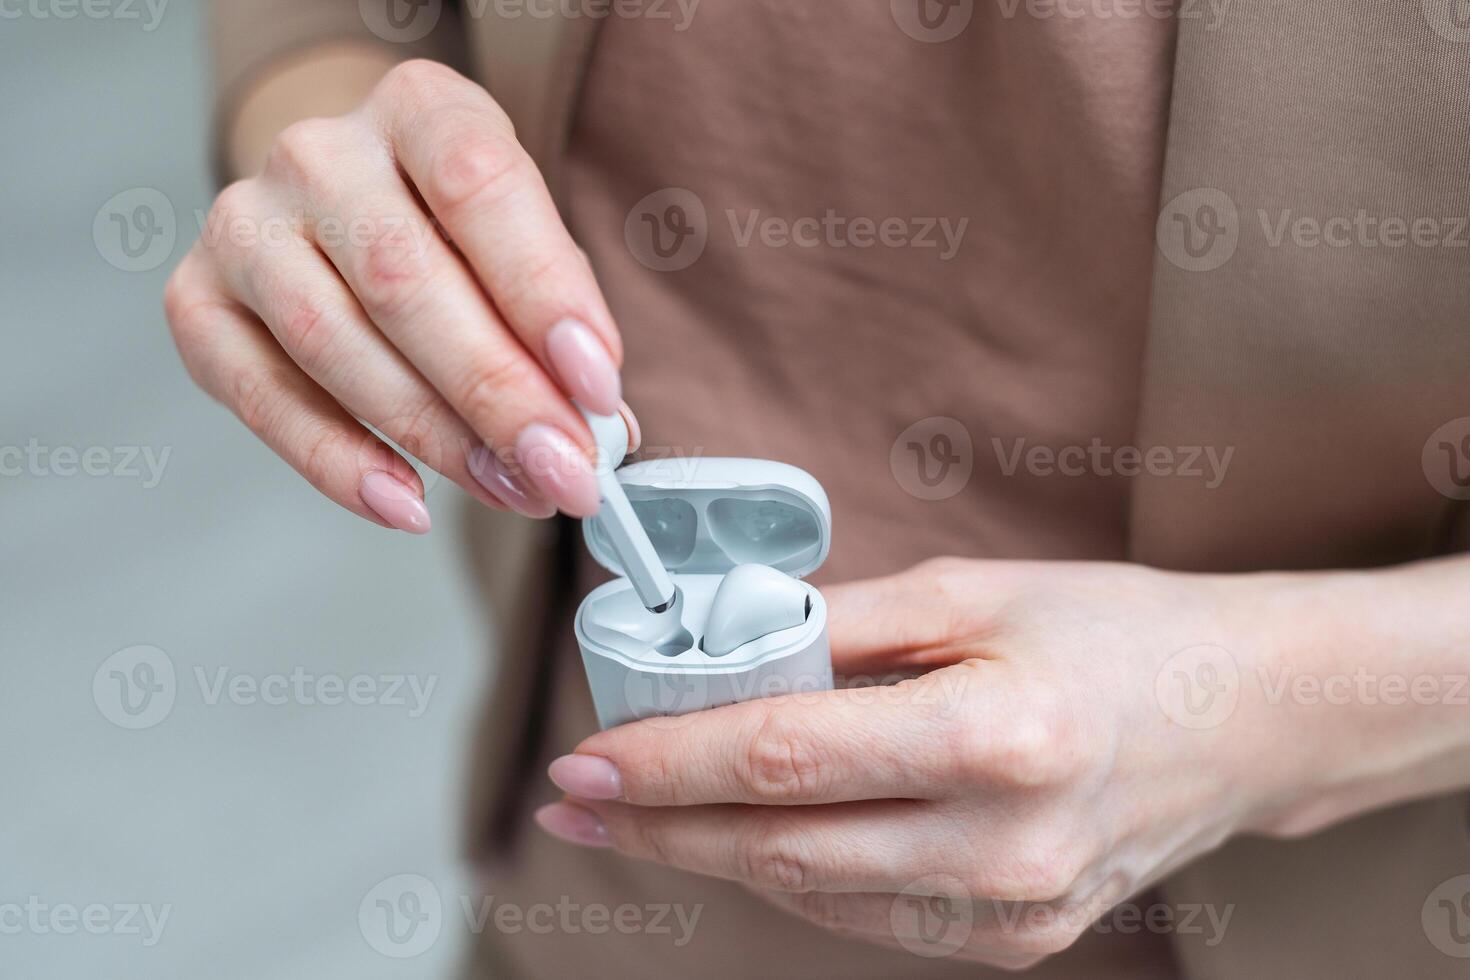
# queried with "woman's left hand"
point(1075, 732)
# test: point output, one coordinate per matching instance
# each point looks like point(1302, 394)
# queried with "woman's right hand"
point(404, 265)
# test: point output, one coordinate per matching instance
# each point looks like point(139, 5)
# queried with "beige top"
point(1014, 174)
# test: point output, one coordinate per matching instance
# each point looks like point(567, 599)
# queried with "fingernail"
point(635, 431)
point(559, 469)
point(573, 824)
point(395, 502)
point(584, 366)
point(588, 776)
point(505, 486)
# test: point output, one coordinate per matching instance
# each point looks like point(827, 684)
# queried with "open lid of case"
point(705, 516)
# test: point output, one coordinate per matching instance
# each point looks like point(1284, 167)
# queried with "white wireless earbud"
point(752, 601)
point(629, 539)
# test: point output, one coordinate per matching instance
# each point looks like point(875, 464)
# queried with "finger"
point(460, 152)
point(913, 620)
point(427, 306)
point(867, 846)
point(232, 356)
point(882, 623)
point(834, 746)
point(323, 328)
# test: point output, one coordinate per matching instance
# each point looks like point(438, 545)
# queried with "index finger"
point(457, 148)
point(837, 746)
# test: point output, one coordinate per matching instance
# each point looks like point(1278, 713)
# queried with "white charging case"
point(704, 517)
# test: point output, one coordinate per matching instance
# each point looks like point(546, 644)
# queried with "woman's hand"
point(1077, 731)
point(404, 265)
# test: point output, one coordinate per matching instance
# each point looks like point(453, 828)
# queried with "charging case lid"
point(705, 516)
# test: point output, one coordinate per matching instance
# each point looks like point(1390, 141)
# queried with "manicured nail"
point(635, 431)
point(573, 824)
point(505, 486)
point(395, 502)
point(588, 776)
point(584, 366)
point(559, 469)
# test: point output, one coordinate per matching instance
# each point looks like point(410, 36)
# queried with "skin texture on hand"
point(400, 265)
point(1043, 766)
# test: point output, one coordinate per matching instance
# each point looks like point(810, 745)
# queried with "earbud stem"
point(640, 561)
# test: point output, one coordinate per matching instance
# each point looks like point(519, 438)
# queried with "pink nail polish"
point(588, 776)
point(557, 467)
point(573, 824)
point(635, 431)
point(506, 487)
point(395, 502)
point(584, 366)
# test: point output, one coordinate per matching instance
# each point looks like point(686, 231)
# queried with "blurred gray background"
point(180, 637)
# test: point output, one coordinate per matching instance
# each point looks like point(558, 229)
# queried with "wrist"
point(1358, 703)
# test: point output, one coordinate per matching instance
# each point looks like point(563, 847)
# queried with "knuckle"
point(478, 170)
point(394, 275)
point(421, 81)
point(484, 391)
point(942, 569)
point(306, 331)
point(321, 449)
point(421, 85)
point(255, 396)
point(1038, 871)
point(236, 202)
point(1033, 751)
point(185, 305)
point(234, 198)
point(772, 857)
point(177, 294)
point(303, 151)
point(644, 839)
point(779, 764)
point(537, 276)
